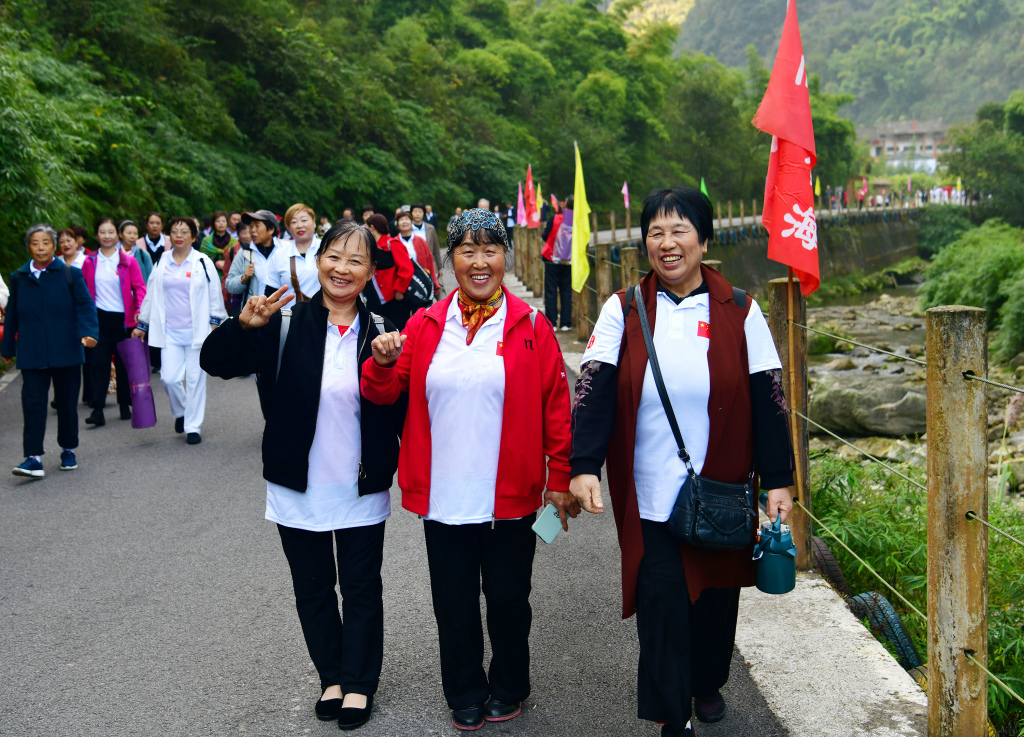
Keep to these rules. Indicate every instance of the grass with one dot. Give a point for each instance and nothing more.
(884, 519)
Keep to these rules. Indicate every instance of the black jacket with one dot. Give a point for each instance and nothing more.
(290, 406)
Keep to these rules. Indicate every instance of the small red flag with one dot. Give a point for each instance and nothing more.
(703, 330)
(785, 112)
(532, 215)
(501, 349)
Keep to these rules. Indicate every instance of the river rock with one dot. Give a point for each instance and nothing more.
(1017, 360)
(841, 364)
(869, 405)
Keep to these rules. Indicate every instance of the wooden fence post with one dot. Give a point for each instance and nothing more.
(537, 262)
(753, 211)
(742, 217)
(593, 229)
(778, 321)
(630, 266)
(629, 228)
(603, 273)
(581, 309)
(611, 218)
(718, 205)
(730, 213)
(957, 547)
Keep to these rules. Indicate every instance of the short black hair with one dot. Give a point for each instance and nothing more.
(687, 202)
(341, 230)
(103, 221)
(419, 205)
(368, 208)
(124, 224)
(190, 222)
(151, 214)
(80, 232)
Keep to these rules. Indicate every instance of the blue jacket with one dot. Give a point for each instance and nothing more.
(48, 317)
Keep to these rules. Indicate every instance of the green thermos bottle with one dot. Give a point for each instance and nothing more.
(775, 555)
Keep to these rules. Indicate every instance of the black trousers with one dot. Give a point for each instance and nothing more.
(558, 286)
(112, 331)
(35, 391)
(685, 649)
(458, 557)
(347, 649)
(87, 378)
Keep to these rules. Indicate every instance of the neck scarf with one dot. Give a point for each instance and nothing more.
(221, 241)
(475, 314)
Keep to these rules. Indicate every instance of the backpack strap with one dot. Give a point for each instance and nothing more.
(630, 293)
(286, 319)
(533, 319)
(203, 264)
(379, 322)
(739, 297)
(299, 296)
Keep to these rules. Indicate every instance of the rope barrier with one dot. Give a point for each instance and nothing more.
(863, 452)
(610, 263)
(972, 516)
(994, 677)
(585, 317)
(863, 562)
(973, 377)
(590, 288)
(873, 348)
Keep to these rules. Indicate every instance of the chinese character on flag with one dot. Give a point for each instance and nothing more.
(785, 113)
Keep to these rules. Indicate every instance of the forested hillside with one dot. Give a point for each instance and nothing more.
(899, 58)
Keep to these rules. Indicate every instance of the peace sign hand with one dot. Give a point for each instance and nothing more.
(257, 310)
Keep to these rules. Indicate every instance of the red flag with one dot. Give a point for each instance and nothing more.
(532, 215)
(785, 112)
(554, 203)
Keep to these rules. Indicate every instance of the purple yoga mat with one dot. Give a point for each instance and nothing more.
(135, 355)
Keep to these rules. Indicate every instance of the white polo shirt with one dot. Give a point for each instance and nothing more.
(331, 500)
(279, 268)
(410, 246)
(108, 284)
(77, 261)
(465, 390)
(681, 338)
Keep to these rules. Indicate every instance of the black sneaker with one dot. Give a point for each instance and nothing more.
(667, 730)
(498, 711)
(710, 710)
(469, 719)
(179, 425)
(96, 418)
(193, 438)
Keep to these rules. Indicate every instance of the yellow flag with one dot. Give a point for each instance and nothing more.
(540, 199)
(817, 187)
(959, 184)
(580, 228)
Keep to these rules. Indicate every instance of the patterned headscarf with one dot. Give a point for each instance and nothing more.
(475, 219)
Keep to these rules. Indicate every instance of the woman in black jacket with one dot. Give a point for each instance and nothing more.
(328, 476)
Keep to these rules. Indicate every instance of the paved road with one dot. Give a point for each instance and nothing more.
(144, 594)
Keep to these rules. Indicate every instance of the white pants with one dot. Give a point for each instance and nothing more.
(185, 383)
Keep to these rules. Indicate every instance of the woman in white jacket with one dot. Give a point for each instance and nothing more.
(183, 304)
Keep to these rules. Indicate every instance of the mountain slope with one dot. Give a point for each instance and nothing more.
(900, 58)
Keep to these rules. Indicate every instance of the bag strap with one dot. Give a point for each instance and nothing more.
(533, 319)
(207, 273)
(286, 319)
(379, 322)
(652, 356)
(299, 296)
(739, 297)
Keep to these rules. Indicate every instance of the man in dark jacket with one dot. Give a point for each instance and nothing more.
(50, 317)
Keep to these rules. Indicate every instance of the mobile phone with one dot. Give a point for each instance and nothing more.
(548, 524)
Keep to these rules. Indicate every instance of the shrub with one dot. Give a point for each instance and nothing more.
(972, 269)
(940, 226)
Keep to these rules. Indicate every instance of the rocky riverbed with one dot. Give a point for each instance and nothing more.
(878, 401)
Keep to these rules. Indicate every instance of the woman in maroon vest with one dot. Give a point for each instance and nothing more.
(727, 397)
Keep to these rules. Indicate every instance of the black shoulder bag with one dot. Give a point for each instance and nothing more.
(707, 513)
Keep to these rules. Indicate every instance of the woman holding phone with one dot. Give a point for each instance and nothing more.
(487, 426)
(329, 473)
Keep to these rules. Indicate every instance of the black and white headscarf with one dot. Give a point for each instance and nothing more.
(475, 219)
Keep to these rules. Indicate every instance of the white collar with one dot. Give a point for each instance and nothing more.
(190, 258)
(455, 312)
(34, 270)
(686, 302)
(115, 256)
(353, 329)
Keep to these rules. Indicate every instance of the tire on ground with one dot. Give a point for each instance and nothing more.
(886, 622)
(826, 565)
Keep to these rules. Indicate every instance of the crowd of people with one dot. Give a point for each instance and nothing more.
(375, 367)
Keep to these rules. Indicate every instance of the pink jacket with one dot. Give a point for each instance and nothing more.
(133, 288)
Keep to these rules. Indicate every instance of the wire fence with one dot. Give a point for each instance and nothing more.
(975, 518)
(973, 377)
(851, 341)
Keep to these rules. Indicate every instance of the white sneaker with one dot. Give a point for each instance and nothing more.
(565, 328)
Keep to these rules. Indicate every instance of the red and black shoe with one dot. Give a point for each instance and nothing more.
(498, 711)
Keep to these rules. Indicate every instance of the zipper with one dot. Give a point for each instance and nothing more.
(362, 471)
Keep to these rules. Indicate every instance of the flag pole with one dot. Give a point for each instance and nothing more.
(794, 400)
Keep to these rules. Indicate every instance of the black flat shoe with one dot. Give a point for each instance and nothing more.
(668, 730)
(327, 710)
(193, 438)
(96, 418)
(710, 710)
(126, 413)
(179, 425)
(498, 711)
(468, 719)
(352, 718)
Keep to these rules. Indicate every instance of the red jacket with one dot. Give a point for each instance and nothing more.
(423, 257)
(396, 278)
(535, 421)
(133, 287)
(549, 245)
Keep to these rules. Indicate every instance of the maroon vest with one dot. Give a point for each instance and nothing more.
(730, 443)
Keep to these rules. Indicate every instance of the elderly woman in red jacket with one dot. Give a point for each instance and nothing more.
(488, 404)
(385, 294)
